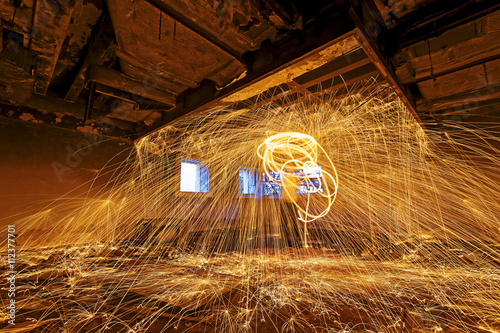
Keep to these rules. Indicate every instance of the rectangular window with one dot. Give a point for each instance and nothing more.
(271, 184)
(194, 176)
(248, 181)
(311, 180)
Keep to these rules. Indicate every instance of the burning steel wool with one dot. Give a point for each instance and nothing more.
(294, 156)
(203, 229)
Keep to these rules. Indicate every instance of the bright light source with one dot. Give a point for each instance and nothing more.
(190, 177)
(194, 176)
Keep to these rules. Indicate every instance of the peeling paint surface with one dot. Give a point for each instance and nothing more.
(27, 117)
(51, 24)
(87, 129)
(83, 21)
(303, 66)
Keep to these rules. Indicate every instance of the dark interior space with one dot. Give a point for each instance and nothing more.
(250, 166)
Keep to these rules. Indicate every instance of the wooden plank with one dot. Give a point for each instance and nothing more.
(101, 49)
(51, 24)
(296, 68)
(339, 70)
(274, 97)
(435, 18)
(360, 73)
(465, 80)
(112, 92)
(15, 73)
(356, 87)
(454, 50)
(279, 99)
(346, 83)
(117, 80)
(284, 102)
(481, 62)
(463, 101)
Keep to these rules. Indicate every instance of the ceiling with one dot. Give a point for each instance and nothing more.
(127, 68)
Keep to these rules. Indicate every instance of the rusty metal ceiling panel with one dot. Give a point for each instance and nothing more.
(240, 25)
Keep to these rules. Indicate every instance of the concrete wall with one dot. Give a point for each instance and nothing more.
(40, 163)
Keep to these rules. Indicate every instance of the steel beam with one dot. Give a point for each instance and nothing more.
(371, 48)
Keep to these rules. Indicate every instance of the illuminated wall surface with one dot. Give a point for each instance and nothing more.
(402, 231)
(39, 163)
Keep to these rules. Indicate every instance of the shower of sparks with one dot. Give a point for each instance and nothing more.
(412, 243)
(296, 153)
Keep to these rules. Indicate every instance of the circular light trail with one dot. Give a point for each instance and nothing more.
(293, 156)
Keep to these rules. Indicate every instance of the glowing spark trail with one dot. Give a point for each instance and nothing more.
(412, 243)
(296, 154)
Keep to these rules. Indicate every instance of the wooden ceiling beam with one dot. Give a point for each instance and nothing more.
(372, 49)
(335, 68)
(111, 78)
(355, 87)
(462, 101)
(347, 83)
(191, 24)
(101, 49)
(435, 18)
(286, 53)
(50, 26)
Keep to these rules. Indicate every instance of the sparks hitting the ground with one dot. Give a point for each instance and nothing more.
(411, 244)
